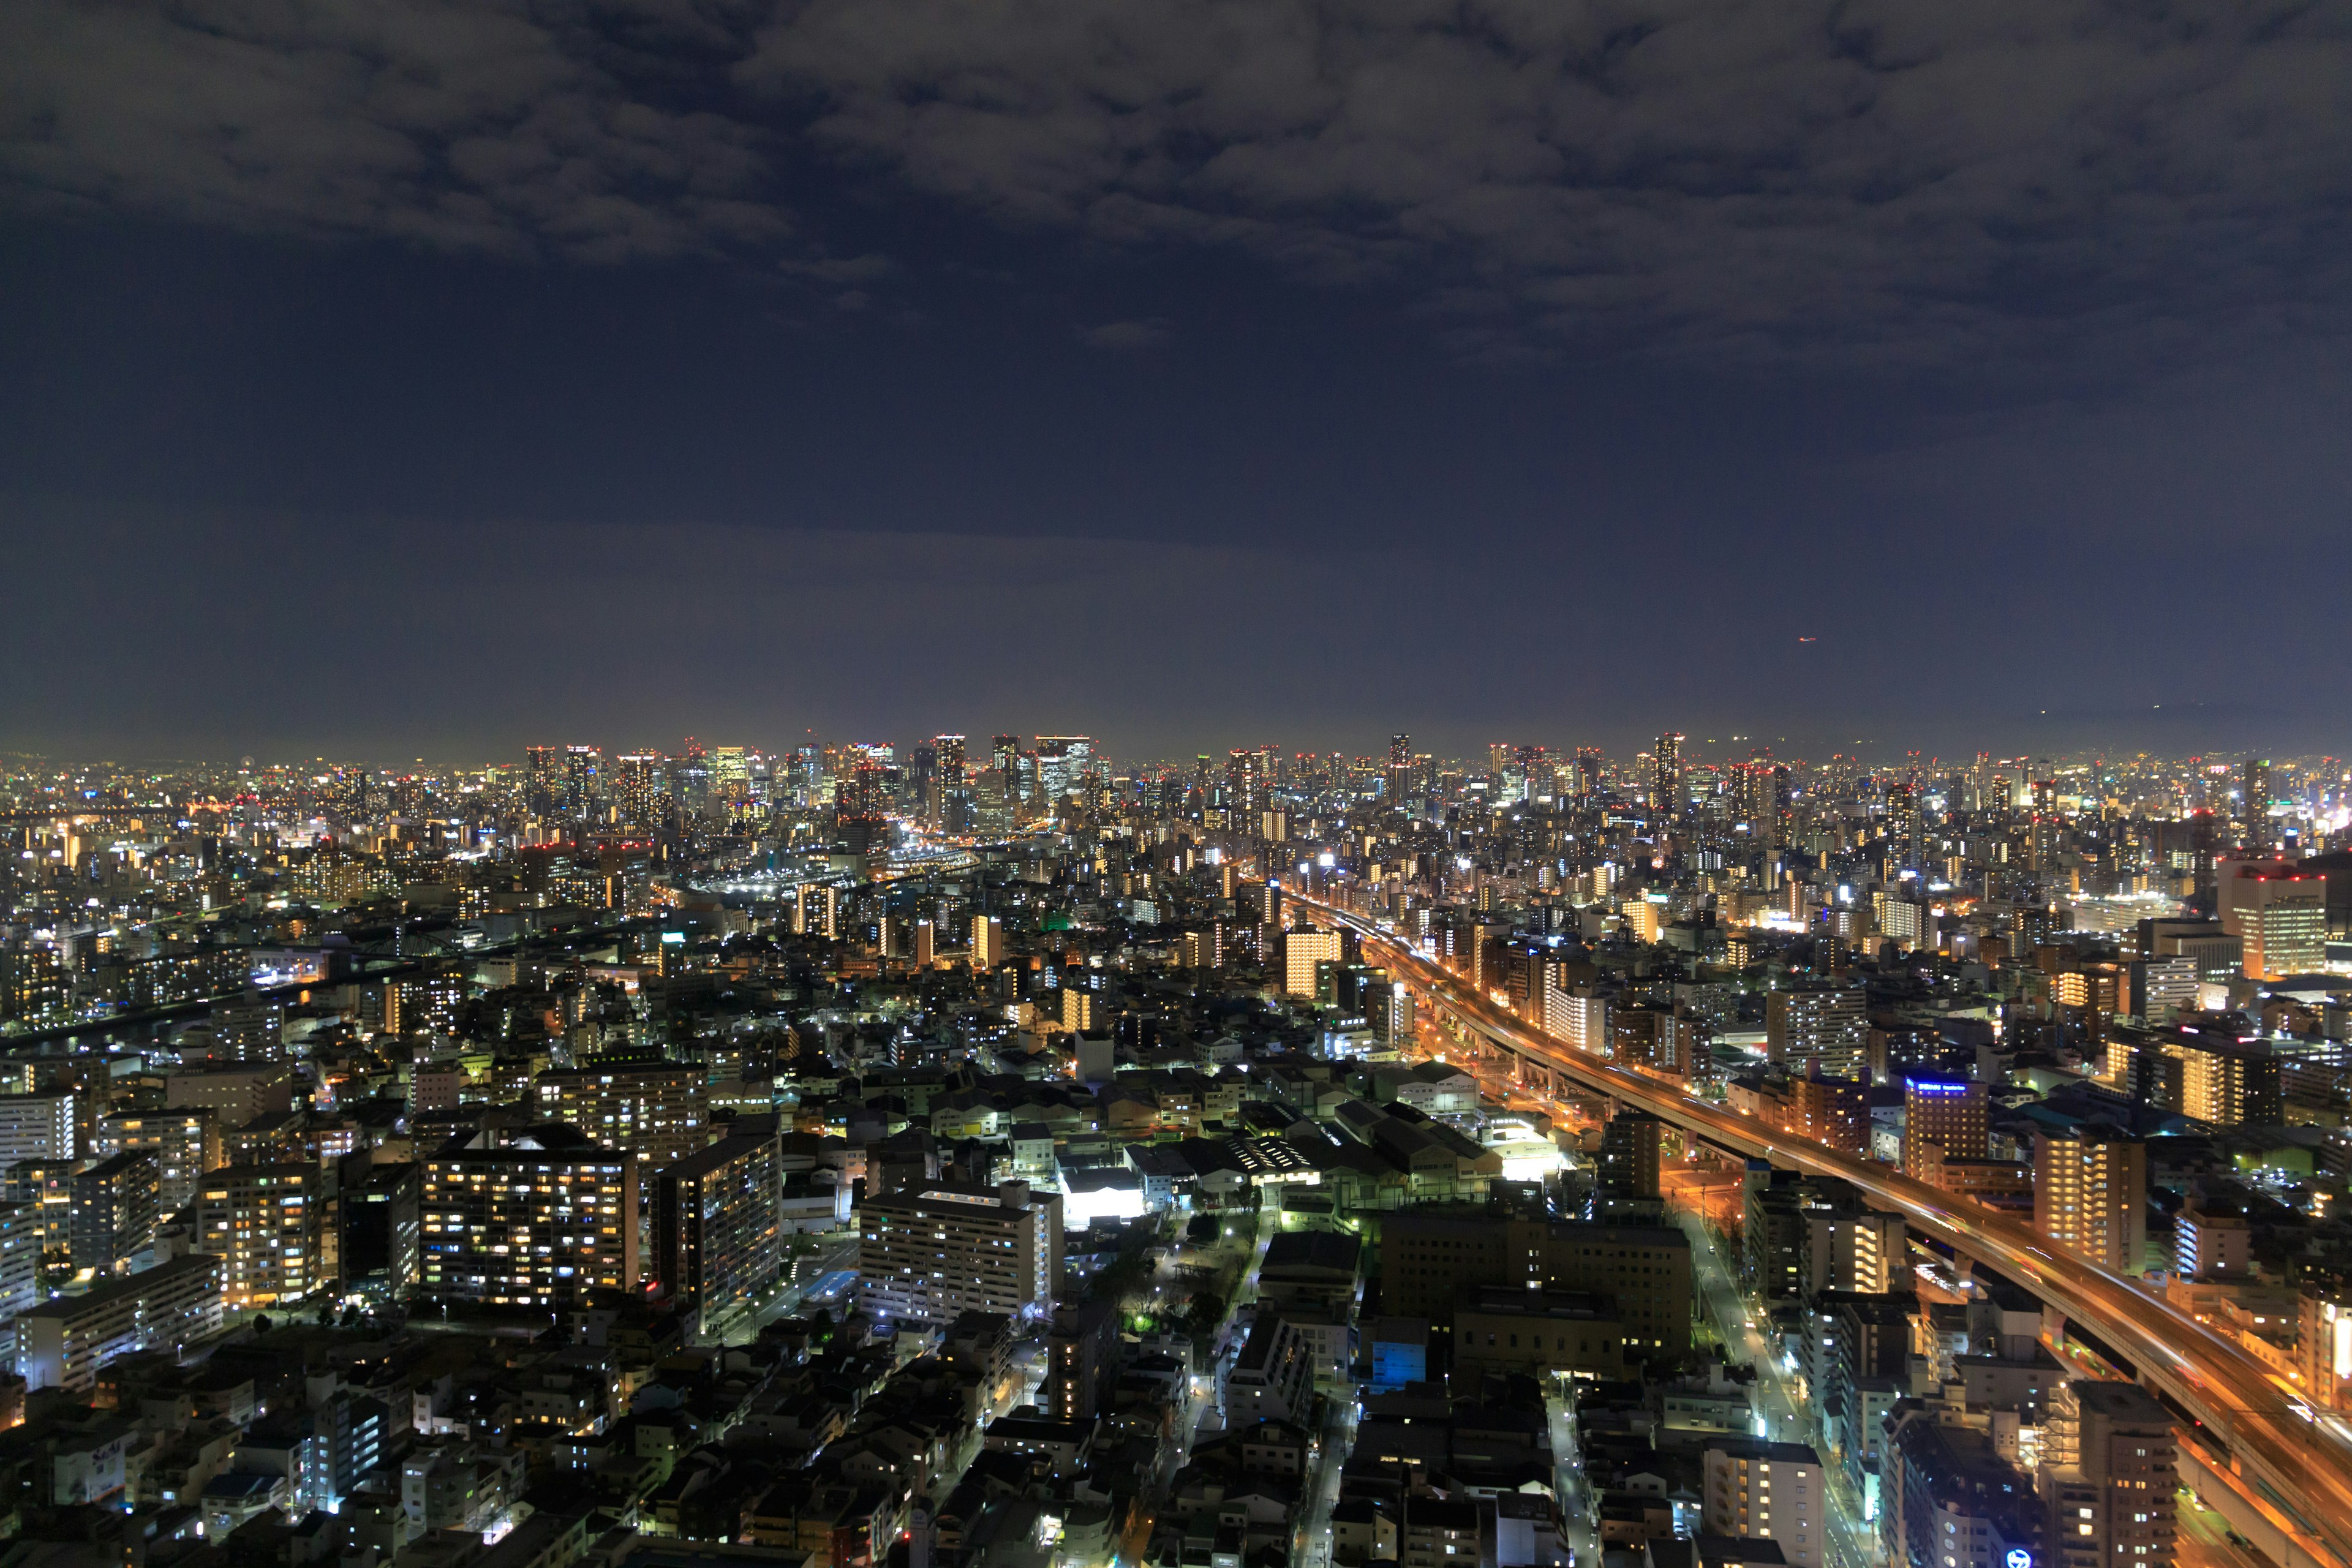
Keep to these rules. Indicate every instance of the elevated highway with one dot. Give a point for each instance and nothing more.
(2278, 1448)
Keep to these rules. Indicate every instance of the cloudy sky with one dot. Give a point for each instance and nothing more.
(399, 377)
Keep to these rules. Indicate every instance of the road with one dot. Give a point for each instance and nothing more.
(1777, 1395)
(2268, 1427)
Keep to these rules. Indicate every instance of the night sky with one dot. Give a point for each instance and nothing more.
(400, 379)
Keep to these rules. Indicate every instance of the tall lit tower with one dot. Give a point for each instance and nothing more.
(1245, 788)
(1400, 770)
(1667, 769)
(2256, 784)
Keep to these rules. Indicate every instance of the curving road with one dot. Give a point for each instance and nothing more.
(2277, 1447)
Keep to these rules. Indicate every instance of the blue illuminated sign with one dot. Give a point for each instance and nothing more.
(2018, 1557)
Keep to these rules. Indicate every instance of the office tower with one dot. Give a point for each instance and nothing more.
(2224, 1081)
(381, 1226)
(1768, 1491)
(1081, 1360)
(264, 1222)
(1006, 750)
(2254, 791)
(2280, 917)
(36, 1127)
(114, 1211)
(1946, 1114)
(1631, 1153)
(816, 909)
(2158, 989)
(932, 1250)
(987, 943)
(1063, 764)
(731, 775)
(539, 1222)
(583, 784)
(184, 1141)
(1666, 776)
(717, 1229)
(1302, 949)
(1822, 1027)
(1400, 774)
(1244, 790)
(543, 780)
(951, 760)
(62, 1344)
(659, 1110)
(2090, 1193)
(2107, 1475)
(861, 807)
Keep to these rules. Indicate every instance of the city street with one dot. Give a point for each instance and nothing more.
(1777, 1395)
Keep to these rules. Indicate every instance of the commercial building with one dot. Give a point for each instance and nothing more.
(1428, 1257)
(1510, 1328)
(236, 1094)
(933, 1250)
(1946, 1115)
(1823, 1028)
(2108, 1476)
(264, 1222)
(187, 1144)
(1768, 1491)
(536, 1223)
(2224, 1081)
(62, 1344)
(2090, 1193)
(2279, 915)
(716, 1230)
(659, 1110)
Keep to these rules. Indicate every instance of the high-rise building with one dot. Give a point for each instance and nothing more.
(186, 1144)
(2090, 1193)
(543, 780)
(2279, 915)
(1245, 789)
(2254, 791)
(1947, 1114)
(539, 1222)
(816, 909)
(1400, 774)
(379, 1226)
(1630, 1146)
(1081, 1360)
(987, 941)
(717, 1227)
(935, 1249)
(1831, 1111)
(114, 1211)
(2225, 1082)
(1666, 776)
(264, 1222)
(641, 789)
(36, 1127)
(2106, 1477)
(1762, 1490)
(1302, 949)
(583, 782)
(659, 1110)
(1851, 1248)
(1822, 1027)
(21, 1236)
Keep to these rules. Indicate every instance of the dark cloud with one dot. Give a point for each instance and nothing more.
(1147, 333)
(1898, 186)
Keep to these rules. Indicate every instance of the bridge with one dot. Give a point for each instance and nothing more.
(2280, 1451)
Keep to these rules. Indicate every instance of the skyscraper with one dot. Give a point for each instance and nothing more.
(1399, 776)
(1666, 775)
(1245, 789)
(583, 784)
(539, 1222)
(717, 1218)
(2254, 789)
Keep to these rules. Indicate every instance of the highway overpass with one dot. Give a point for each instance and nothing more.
(2278, 1446)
